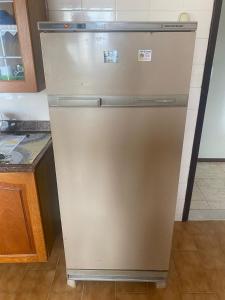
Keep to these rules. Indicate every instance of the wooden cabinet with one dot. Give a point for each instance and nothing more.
(21, 67)
(29, 213)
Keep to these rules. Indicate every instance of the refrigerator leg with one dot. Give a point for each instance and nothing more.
(160, 284)
(71, 283)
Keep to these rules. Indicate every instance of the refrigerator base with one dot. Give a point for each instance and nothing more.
(159, 277)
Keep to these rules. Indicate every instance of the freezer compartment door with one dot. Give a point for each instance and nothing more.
(118, 63)
(117, 172)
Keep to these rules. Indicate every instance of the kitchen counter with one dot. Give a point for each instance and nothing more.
(22, 152)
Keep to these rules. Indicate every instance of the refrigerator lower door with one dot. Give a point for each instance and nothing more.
(117, 172)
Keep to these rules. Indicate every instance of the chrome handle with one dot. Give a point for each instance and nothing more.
(67, 101)
(117, 101)
(135, 102)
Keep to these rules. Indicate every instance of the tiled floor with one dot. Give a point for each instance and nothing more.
(197, 272)
(208, 199)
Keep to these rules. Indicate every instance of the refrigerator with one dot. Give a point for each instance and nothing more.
(118, 96)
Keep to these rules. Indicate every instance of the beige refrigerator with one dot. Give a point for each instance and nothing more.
(118, 95)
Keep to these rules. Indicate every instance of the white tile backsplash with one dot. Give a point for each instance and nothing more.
(182, 187)
(204, 20)
(165, 15)
(200, 51)
(188, 143)
(166, 4)
(194, 98)
(27, 106)
(197, 76)
(197, 4)
(132, 5)
(64, 5)
(141, 15)
(99, 4)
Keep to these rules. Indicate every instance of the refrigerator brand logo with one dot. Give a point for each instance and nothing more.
(111, 56)
(145, 55)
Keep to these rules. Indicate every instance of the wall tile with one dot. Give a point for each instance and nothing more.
(194, 98)
(27, 106)
(198, 4)
(166, 4)
(201, 46)
(197, 75)
(204, 20)
(186, 157)
(141, 15)
(64, 5)
(164, 15)
(187, 145)
(99, 4)
(81, 16)
(132, 4)
(182, 187)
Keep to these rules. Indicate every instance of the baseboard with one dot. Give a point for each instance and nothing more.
(211, 159)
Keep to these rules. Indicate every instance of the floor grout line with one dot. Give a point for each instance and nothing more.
(82, 292)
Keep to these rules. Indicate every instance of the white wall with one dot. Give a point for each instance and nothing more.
(25, 106)
(213, 135)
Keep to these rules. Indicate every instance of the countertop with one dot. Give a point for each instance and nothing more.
(22, 152)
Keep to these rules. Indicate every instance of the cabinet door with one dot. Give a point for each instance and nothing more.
(15, 226)
(17, 70)
(21, 230)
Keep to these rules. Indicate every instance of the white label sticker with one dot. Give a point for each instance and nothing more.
(145, 55)
(111, 56)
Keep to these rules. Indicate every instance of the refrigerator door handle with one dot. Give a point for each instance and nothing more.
(70, 101)
(144, 102)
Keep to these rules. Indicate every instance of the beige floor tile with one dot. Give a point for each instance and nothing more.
(60, 283)
(209, 170)
(11, 277)
(200, 297)
(132, 297)
(7, 296)
(197, 194)
(99, 291)
(62, 261)
(222, 166)
(64, 296)
(53, 260)
(171, 292)
(190, 272)
(215, 183)
(37, 281)
(206, 241)
(213, 259)
(217, 279)
(214, 194)
(212, 189)
(202, 227)
(31, 296)
(202, 204)
(221, 238)
(216, 204)
(183, 240)
(131, 287)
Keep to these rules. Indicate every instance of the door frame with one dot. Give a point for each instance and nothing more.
(202, 105)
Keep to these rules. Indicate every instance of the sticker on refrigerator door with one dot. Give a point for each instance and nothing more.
(145, 55)
(111, 56)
